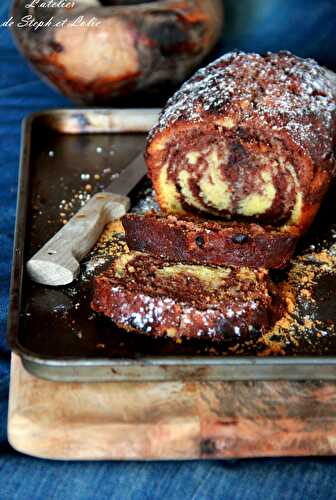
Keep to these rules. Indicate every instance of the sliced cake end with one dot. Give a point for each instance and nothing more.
(147, 294)
(192, 239)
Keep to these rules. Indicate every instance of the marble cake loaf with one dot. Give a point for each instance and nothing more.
(248, 138)
(144, 293)
(195, 240)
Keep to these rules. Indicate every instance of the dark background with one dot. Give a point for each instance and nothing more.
(305, 27)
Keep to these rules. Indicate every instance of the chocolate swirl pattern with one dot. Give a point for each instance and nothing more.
(249, 137)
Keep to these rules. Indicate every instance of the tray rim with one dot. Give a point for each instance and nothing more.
(258, 367)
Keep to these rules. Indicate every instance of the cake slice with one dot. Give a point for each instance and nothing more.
(145, 293)
(199, 241)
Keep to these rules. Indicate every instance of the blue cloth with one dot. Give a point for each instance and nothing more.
(306, 27)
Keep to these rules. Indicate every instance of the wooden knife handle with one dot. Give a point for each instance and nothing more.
(57, 263)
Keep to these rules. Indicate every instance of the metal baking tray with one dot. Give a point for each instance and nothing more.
(53, 329)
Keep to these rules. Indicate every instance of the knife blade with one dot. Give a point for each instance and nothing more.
(58, 261)
(129, 177)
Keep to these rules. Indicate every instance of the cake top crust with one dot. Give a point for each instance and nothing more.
(194, 223)
(279, 90)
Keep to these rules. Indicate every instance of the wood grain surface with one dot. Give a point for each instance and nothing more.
(170, 420)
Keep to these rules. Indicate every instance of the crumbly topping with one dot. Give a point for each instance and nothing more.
(301, 322)
(282, 91)
(300, 329)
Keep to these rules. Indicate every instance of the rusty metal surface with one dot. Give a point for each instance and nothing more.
(54, 330)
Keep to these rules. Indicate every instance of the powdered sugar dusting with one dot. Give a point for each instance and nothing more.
(141, 296)
(282, 91)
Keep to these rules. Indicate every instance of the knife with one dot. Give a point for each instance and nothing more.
(57, 263)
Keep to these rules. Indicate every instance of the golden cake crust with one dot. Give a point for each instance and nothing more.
(248, 137)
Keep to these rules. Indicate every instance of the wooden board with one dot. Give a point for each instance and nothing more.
(170, 420)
